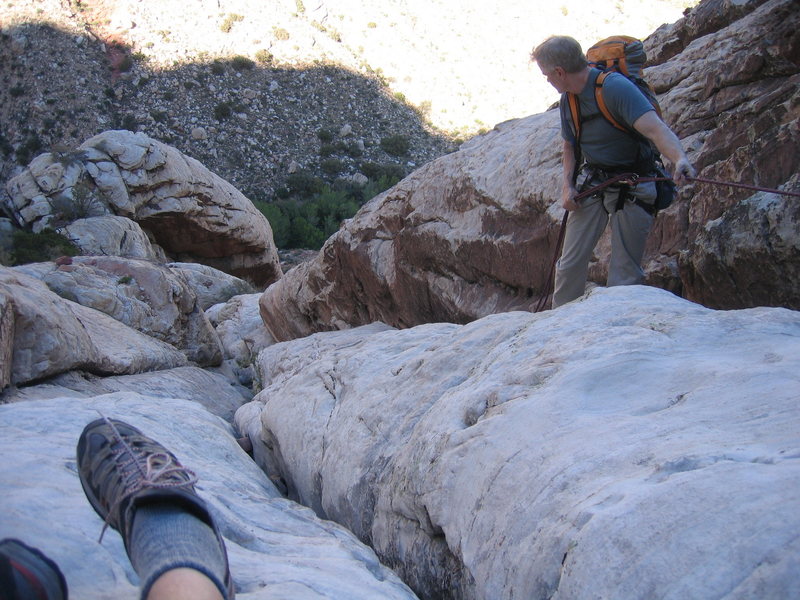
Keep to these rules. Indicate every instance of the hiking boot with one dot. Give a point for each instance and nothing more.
(122, 469)
(26, 572)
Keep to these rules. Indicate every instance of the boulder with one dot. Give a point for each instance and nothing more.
(207, 389)
(193, 214)
(141, 294)
(110, 235)
(241, 332)
(465, 236)
(211, 285)
(739, 117)
(740, 256)
(474, 232)
(52, 335)
(277, 549)
(630, 445)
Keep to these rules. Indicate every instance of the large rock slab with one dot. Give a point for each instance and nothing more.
(466, 235)
(210, 390)
(143, 295)
(111, 235)
(211, 285)
(630, 445)
(53, 335)
(742, 125)
(192, 213)
(474, 232)
(277, 549)
(241, 332)
(738, 257)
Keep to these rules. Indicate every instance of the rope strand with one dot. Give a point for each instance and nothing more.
(633, 179)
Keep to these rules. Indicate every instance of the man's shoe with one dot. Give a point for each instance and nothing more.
(122, 469)
(26, 572)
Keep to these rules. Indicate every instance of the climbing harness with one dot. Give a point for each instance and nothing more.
(631, 179)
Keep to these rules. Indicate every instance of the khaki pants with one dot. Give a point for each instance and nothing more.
(629, 229)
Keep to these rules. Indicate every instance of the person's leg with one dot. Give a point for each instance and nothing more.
(584, 228)
(629, 229)
(27, 574)
(140, 489)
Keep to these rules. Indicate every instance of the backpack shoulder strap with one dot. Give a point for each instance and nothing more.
(575, 113)
(601, 103)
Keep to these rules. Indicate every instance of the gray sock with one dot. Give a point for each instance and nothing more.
(165, 537)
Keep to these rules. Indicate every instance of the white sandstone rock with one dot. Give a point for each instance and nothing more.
(112, 235)
(53, 335)
(211, 285)
(141, 294)
(277, 549)
(627, 445)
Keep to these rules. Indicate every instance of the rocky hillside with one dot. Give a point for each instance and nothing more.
(249, 87)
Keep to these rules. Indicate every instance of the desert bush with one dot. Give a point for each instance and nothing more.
(379, 170)
(332, 166)
(242, 63)
(227, 24)
(307, 223)
(39, 247)
(396, 145)
(222, 111)
(264, 57)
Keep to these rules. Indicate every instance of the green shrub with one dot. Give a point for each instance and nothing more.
(242, 63)
(353, 149)
(129, 122)
(325, 135)
(227, 24)
(332, 166)
(16, 91)
(264, 57)
(396, 145)
(308, 223)
(217, 68)
(377, 171)
(279, 221)
(280, 34)
(326, 150)
(375, 187)
(29, 148)
(222, 111)
(39, 247)
(304, 184)
(126, 64)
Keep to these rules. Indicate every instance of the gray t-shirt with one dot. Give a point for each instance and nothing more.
(601, 142)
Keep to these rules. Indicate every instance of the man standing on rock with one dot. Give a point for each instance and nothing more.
(607, 151)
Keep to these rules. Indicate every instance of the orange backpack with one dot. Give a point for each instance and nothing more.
(616, 54)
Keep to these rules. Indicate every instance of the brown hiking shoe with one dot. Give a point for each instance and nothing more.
(122, 469)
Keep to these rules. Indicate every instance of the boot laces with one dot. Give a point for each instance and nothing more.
(140, 471)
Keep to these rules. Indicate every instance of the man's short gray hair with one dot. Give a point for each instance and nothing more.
(560, 51)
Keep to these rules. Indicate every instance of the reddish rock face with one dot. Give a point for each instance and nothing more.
(473, 233)
(465, 236)
(733, 94)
